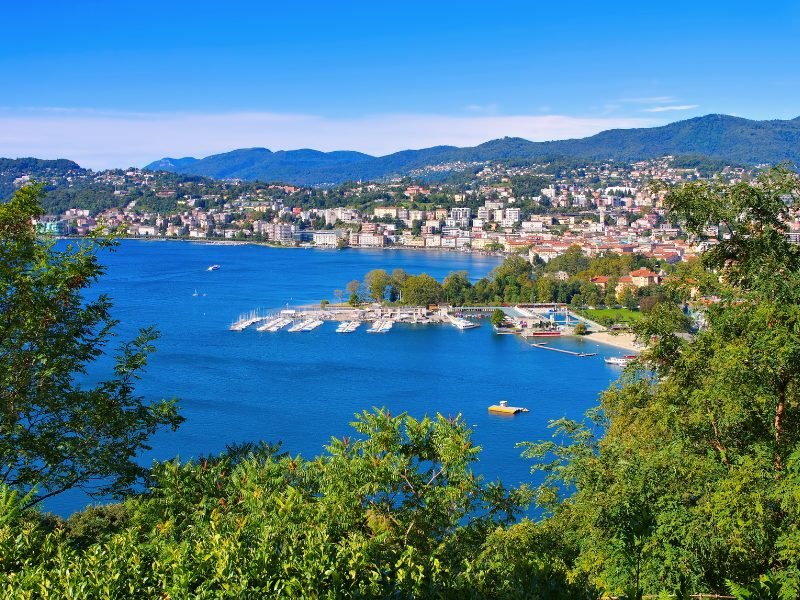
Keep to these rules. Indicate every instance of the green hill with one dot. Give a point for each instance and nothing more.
(721, 137)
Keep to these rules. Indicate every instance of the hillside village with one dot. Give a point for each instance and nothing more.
(601, 208)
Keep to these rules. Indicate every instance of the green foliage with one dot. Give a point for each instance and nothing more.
(498, 318)
(395, 512)
(573, 261)
(56, 434)
(686, 478)
(377, 283)
(610, 316)
(421, 290)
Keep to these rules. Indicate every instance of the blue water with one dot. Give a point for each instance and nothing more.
(303, 388)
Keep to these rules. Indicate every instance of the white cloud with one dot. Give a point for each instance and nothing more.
(487, 109)
(658, 109)
(650, 100)
(102, 139)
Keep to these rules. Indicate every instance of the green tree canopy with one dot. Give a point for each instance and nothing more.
(686, 479)
(56, 433)
(377, 281)
(421, 290)
(394, 511)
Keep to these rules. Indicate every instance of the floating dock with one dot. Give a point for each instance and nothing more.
(279, 324)
(298, 326)
(348, 326)
(504, 409)
(563, 351)
(381, 326)
(312, 325)
(267, 324)
(245, 321)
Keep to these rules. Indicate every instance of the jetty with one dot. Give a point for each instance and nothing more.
(562, 350)
(312, 325)
(278, 325)
(348, 326)
(265, 326)
(245, 321)
(381, 326)
(298, 326)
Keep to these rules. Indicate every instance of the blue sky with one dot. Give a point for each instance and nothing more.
(113, 83)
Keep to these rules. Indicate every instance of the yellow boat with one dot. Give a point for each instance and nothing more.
(504, 409)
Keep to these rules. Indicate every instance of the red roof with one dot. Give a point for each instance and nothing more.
(643, 273)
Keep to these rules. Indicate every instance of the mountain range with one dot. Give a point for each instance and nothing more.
(733, 139)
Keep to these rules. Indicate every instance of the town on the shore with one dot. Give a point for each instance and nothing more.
(495, 207)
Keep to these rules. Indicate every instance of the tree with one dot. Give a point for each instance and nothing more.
(394, 511)
(580, 329)
(456, 287)
(56, 434)
(627, 298)
(421, 290)
(377, 281)
(545, 289)
(353, 288)
(590, 294)
(693, 484)
(572, 261)
(498, 318)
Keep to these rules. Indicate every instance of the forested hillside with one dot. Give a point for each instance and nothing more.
(732, 139)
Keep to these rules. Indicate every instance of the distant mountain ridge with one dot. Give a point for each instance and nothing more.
(725, 137)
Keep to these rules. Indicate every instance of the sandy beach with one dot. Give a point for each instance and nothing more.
(625, 341)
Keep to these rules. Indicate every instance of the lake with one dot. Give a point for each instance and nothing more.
(302, 388)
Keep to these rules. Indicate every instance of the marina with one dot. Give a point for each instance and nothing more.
(530, 321)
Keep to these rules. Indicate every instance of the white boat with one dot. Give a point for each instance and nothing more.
(312, 324)
(213, 268)
(342, 328)
(298, 326)
(279, 324)
(245, 321)
(461, 323)
(464, 323)
(267, 324)
(620, 361)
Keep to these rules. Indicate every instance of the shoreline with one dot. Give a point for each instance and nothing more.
(623, 341)
(224, 242)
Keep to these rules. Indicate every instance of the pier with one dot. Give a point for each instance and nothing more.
(562, 350)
